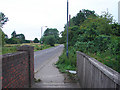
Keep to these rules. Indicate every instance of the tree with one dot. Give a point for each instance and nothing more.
(2, 38)
(21, 37)
(13, 34)
(3, 19)
(82, 16)
(36, 40)
(13, 41)
(54, 32)
(49, 40)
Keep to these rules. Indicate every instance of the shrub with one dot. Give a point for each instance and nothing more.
(49, 40)
(65, 63)
(101, 43)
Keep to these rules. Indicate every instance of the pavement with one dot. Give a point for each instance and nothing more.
(49, 75)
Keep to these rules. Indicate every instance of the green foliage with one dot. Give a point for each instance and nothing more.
(51, 36)
(65, 63)
(82, 16)
(52, 32)
(2, 38)
(101, 43)
(13, 41)
(39, 47)
(3, 19)
(27, 41)
(16, 39)
(114, 47)
(96, 36)
(36, 40)
(115, 29)
(21, 37)
(10, 48)
(6, 50)
(50, 40)
(13, 34)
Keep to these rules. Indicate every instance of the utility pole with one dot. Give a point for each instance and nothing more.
(67, 27)
(69, 19)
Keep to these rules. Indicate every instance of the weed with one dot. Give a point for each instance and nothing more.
(37, 80)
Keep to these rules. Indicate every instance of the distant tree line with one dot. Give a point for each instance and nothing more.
(16, 39)
(50, 37)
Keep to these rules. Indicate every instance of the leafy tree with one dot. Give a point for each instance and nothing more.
(13, 41)
(50, 31)
(82, 16)
(3, 19)
(54, 32)
(2, 38)
(36, 40)
(49, 40)
(21, 37)
(13, 34)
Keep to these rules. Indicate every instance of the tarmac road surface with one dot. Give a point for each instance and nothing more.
(46, 71)
(41, 57)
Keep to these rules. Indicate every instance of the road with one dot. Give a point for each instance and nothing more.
(46, 71)
(43, 56)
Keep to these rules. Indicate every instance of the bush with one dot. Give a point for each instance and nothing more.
(49, 40)
(101, 43)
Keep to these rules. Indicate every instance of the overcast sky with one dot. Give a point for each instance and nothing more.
(28, 16)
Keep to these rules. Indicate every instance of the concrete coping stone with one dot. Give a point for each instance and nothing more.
(112, 74)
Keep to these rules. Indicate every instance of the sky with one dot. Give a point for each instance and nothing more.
(28, 16)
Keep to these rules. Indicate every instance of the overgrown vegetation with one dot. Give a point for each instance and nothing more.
(65, 63)
(97, 36)
(6, 50)
(11, 48)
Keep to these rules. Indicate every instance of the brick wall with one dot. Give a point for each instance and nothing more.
(18, 68)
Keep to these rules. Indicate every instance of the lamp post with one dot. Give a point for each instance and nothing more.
(67, 28)
(41, 36)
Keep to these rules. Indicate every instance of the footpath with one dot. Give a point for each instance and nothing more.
(50, 77)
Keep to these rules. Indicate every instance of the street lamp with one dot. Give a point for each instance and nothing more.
(67, 28)
(41, 36)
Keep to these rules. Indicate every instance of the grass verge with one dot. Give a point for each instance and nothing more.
(65, 63)
(6, 50)
(11, 48)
